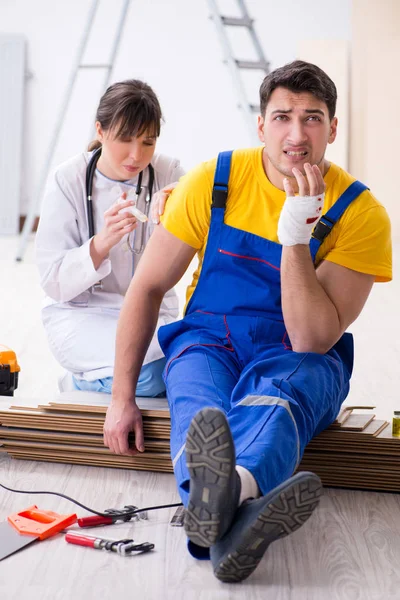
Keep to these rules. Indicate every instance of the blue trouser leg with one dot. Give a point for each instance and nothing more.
(202, 376)
(150, 383)
(274, 406)
(281, 401)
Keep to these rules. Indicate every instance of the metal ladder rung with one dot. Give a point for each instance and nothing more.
(236, 66)
(94, 66)
(252, 64)
(36, 198)
(237, 21)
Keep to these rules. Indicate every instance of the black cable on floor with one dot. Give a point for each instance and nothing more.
(91, 510)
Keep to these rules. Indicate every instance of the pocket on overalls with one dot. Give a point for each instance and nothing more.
(249, 258)
(253, 282)
(197, 329)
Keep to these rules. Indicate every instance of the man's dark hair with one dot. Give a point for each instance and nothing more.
(299, 76)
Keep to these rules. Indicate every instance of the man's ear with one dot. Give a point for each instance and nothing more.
(333, 131)
(260, 128)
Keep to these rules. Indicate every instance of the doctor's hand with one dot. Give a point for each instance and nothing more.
(121, 419)
(117, 223)
(159, 201)
(301, 213)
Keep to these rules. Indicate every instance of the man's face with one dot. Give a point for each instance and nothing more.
(295, 130)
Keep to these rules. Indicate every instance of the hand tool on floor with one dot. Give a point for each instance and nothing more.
(25, 527)
(9, 369)
(122, 547)
(178, 517)
(115, 515)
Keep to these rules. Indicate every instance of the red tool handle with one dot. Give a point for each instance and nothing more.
(80, 540)
(93, 521)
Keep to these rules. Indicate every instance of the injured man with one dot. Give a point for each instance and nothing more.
(289, 247)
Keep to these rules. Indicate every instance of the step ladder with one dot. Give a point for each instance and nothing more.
(237, 66)
(78, 65)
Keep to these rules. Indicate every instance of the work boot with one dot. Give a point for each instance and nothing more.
(214, 482)
(260, 522)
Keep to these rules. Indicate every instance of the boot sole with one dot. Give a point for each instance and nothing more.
(287, 511)
(210, 458)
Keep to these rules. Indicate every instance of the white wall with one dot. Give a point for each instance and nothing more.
(333, 56)
(173, 45)
(375, 93)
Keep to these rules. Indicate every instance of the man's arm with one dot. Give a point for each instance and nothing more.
(163, 263)
(319, 305)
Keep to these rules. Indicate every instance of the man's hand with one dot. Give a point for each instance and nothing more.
(159, 201)
(301, 213)
(121, 419)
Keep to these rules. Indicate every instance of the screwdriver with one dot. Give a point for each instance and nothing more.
(122, 547)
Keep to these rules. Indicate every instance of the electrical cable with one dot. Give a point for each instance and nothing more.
(91, 510)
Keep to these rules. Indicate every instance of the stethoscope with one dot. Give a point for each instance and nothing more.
(90, 171)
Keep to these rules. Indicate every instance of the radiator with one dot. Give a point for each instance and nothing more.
(12, 83)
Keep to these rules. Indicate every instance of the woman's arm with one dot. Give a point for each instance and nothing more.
(69, 265)
(65, 266)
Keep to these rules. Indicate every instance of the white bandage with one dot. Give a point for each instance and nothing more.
(137, 213)
(132, 209)
(299, 216)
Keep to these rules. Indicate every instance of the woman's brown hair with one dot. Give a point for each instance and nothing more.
(129, 108)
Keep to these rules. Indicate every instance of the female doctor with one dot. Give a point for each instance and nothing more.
(89, 243)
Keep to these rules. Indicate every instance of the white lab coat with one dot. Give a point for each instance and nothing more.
(81, 321)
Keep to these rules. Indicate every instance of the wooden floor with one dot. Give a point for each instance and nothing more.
(350, 548)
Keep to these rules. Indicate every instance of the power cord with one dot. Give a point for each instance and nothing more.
(127, 513)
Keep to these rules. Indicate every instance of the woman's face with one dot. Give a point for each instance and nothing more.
(121, 158)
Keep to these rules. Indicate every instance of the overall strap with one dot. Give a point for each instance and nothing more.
(221, 179)
(327, 221)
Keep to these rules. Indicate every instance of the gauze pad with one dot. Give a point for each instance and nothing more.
(132, 209)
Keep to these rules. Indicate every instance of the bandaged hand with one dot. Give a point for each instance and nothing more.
(301, 213)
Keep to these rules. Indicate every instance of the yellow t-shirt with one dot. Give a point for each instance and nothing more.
(360, 240)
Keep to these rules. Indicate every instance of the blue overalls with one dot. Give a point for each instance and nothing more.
(232, 351)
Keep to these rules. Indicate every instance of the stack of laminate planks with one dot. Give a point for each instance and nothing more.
(357, 451)
(70, 430)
